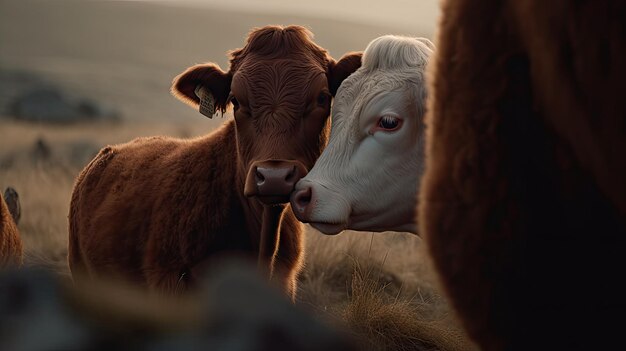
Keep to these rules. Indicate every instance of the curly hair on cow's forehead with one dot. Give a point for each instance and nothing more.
(273, 42)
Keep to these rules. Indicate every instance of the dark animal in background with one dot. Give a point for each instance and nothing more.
(523, 203)
(11, 251)
(12, 199)
(154, 210)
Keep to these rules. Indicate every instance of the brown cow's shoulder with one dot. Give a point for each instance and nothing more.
(187, 185)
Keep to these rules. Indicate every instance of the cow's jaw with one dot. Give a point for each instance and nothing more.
(329, 228)
(401, 221)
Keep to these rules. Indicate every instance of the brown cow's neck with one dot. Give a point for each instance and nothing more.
(270, 236)
(251, 206)
(263, 221)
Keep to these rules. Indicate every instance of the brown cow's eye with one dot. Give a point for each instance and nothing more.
(234, 102)
(322, 99)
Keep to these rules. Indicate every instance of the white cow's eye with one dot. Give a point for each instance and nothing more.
(389, 123)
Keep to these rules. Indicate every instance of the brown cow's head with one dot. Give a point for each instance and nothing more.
(280, 85)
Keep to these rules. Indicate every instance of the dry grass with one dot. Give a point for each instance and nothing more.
(383, 322)
(381, 286)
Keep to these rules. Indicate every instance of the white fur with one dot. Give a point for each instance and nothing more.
(368, 181)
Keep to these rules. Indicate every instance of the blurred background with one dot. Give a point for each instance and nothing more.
(78, 75)
(124, 54)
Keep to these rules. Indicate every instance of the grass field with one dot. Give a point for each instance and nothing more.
(380, 285)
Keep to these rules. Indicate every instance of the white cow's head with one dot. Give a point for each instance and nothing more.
(367, 177)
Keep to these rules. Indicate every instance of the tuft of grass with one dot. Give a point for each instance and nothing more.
(382, 288)
(382, 322)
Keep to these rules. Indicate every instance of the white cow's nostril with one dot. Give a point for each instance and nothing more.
(303, 198)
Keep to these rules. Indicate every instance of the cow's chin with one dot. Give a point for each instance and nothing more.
(384, 222)
(273, 199)
(329, 228)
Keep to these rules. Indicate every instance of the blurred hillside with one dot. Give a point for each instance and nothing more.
(125, 54)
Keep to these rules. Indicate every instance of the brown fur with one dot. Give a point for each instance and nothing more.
(523, 204)
(11, 251)
(155, 209)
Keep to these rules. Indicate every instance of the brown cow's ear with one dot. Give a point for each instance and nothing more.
(340, 70)
(208, 76)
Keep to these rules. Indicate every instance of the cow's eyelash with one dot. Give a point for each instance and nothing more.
(389, 119)
(389, 123)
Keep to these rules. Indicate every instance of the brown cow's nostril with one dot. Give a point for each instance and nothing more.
(274, 181)
(302, 199)
(290, 178)
(259, 177)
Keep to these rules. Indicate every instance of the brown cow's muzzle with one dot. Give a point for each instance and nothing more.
(272, 181)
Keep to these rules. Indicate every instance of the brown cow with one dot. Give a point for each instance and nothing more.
(523, 202)
(11, 251)
(152, 210)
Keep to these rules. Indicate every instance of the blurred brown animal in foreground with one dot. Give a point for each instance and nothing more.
(156, 210)
(523, 204)
(11, 250)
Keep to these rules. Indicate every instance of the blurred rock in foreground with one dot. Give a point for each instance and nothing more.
(235, 311)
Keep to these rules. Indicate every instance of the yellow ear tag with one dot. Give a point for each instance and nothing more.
(207, 101)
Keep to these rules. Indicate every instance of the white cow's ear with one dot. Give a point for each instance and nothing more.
(207, 78)
(340, 70)
(427, 42)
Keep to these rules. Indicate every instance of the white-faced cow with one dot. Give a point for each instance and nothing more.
(366, 178)
(155, 209)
